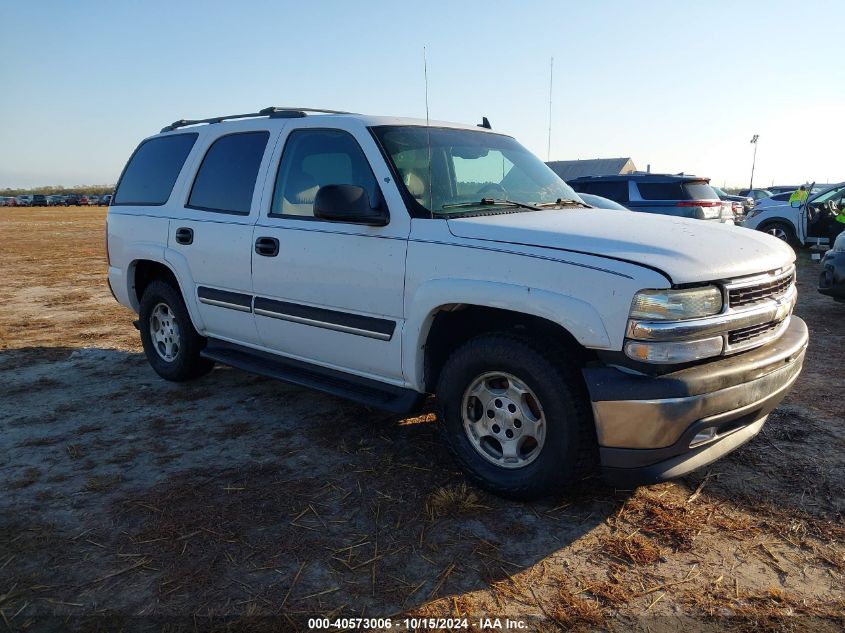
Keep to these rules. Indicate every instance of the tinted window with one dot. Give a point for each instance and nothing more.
(676, 191)
(662, 190)
(314, 159)
(613, 189)
(153, 169)
(782, 196)
(226, 179)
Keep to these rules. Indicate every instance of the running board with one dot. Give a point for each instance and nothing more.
(369, 392)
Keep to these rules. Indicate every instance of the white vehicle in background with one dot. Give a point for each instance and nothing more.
(797, 223)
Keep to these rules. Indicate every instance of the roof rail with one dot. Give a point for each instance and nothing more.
(273, 112)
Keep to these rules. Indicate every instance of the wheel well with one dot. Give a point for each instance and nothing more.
(145, 272)
(453, 325)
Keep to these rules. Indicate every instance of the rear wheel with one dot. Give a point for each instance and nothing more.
(515, 416)
(171, 343)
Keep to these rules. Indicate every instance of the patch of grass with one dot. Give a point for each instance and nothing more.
(452, 500)
(608, 592)
(670, 520)
(572, 610)
(634, 549)
(772, 609)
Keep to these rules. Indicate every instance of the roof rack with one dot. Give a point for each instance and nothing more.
(273, 112)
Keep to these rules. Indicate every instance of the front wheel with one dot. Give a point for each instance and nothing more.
(515, 416)
(782, 231)
(171, 343)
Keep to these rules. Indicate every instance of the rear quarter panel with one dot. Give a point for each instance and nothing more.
(132, 237)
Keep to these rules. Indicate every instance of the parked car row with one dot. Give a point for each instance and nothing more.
(56, 200)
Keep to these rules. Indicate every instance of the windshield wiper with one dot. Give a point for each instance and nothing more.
(491, 202)
(564, 202)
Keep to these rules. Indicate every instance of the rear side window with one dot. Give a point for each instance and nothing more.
(226, 179)
(152, 171)
(663, 190)
(616, 190)
(782, 196)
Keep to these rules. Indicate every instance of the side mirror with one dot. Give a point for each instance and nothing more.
(795, 204)
(347, 203)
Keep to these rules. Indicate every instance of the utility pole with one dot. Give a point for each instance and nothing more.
(754, 160)
(551, 79)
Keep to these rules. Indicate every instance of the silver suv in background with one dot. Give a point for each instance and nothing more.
(678, 195)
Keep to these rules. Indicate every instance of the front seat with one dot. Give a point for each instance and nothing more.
(300, 190)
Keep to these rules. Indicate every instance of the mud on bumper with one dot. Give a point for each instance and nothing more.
(650, 428)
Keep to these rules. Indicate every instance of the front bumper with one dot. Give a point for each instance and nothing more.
(832, 277)
(645, 424)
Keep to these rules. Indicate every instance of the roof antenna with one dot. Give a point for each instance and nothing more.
(485, 123)
(551, 77)
(428, 134)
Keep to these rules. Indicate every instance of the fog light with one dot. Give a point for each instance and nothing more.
(674, 351)
(703, 436)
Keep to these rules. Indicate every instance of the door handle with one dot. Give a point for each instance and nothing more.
(184, 236)
(267, 246)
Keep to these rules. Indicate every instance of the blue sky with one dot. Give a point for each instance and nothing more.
(681, 86)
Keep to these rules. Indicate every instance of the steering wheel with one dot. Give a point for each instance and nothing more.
(493, 187)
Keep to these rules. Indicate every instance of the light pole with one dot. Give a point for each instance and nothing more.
(754, 161)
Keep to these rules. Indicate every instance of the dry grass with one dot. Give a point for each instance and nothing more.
(455, 500)
(633, 549)
(574, 611)
(668, 519)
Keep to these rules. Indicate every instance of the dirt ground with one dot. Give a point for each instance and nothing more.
(239, 503)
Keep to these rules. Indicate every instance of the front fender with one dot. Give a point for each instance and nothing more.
(579, 318)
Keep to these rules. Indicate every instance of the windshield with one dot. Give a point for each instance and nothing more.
(464, 167)
(830, 194)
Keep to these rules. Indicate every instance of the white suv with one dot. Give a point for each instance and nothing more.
(383, 259)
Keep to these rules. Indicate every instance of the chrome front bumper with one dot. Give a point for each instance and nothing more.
(646, 424)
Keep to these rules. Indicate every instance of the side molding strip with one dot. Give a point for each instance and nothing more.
(371, 327)
(225, 299)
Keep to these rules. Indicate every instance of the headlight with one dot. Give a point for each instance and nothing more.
(673, 352)
(675, 305)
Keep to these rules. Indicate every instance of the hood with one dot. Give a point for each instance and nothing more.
(685, 250)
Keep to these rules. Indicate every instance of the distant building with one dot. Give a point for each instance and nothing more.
(569, 169)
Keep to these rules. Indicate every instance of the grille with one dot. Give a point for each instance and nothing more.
(751, 332)
(749, 295)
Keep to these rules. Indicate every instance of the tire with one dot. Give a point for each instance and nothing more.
(568, 450)
(171, 343)
(781, 230)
